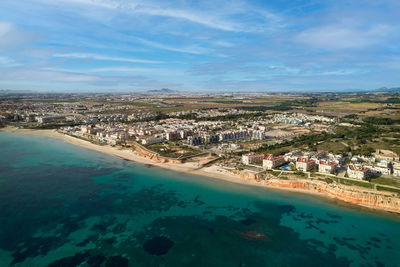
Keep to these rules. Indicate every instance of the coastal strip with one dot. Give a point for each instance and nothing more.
(384, 201)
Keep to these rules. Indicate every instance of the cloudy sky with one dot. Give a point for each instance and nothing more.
(266, 45)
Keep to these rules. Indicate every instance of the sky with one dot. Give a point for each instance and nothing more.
(217, 46)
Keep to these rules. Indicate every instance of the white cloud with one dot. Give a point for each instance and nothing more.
(6, 61)
(139, 70)
(11, 37)
(46, 75)
(5, 27)
(99, 3)
(342, 36)
(217, 17)
(107, 58)
(198, 50)
(203, 19)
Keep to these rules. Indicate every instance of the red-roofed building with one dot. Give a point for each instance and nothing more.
(356, 172)
(326, 166)
(271, 162)
(251, 158)
(305, 164)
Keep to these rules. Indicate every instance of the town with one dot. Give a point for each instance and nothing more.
(259, 135)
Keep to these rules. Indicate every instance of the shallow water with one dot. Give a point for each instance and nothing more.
(61, 205)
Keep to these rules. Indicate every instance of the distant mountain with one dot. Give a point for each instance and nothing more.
(163, 91)
(7, 91)
(385, 89)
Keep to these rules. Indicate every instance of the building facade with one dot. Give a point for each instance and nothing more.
(270, 162)
(251, 158)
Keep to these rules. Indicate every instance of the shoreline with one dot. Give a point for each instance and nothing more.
(185, 168)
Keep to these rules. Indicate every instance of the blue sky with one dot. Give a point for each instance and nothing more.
(128, 45)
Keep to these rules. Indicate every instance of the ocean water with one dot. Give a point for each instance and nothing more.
(61, 205)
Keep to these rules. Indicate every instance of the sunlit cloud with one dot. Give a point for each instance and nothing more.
(211, 44)
(343, 36)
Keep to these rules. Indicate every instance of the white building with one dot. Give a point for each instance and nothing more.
(327, 167)
(396, 170)
(251, 158)
(382, 170)
(152, 140)
(383, 167)
(270, 162)
(293, 155)
(356, 172)
(87, 129)
(304, 164)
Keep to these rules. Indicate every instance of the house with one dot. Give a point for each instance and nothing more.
(293, 155)
(185, 133)
(172, 136)
(386, 155)
(382, 170)
(305, 164)
(357, 172)
(251, 158)
(396, 170)
(270, 162)
(152, 140)
(326, 166)
(195, 140)
(383, 167)
(87, 129)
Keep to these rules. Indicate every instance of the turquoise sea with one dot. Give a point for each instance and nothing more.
(62, 205)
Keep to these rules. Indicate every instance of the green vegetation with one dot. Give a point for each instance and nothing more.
(388, 189)
(352, 182)
(386, 181)
(379, 121)
(275, 173)
(300, 174)
(329, 180)
(173, 151)
(359, 140)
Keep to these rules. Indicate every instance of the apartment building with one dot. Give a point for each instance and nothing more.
(270, 162)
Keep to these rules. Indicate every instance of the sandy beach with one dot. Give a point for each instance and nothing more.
(213, 172)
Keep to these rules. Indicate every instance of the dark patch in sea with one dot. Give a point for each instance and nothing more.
(334, 216)
(248, 221)
(158, 245)
(119, 228)
(287, 208)
(223, 245)
(86, 241)
(347, 242)
(305, 216)
(320, 220)
(75, 260)
(117, 261)
(110, 240)
(197, 201)
(375, 239)
(96, 260)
